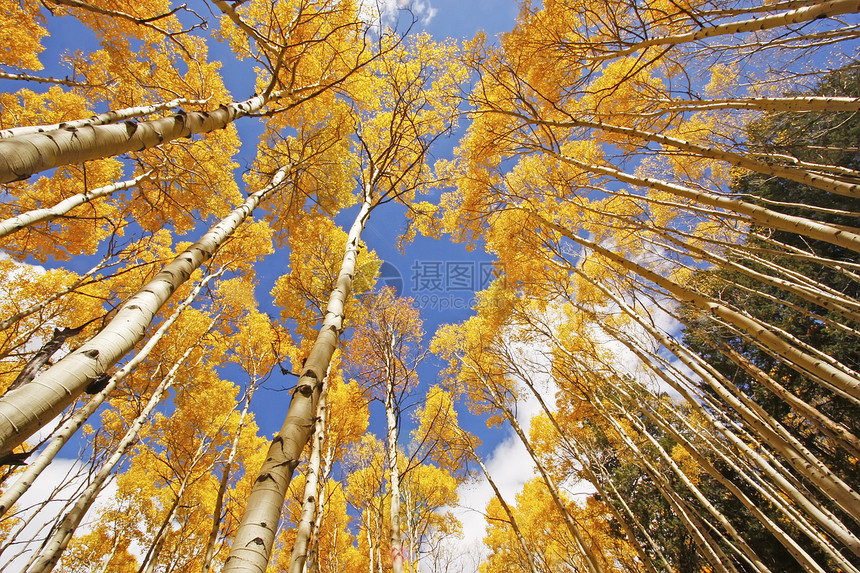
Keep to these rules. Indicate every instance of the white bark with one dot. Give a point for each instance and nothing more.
(584, 549)
(25, 155)
(310, 509)
(794, 104)
(804, 14)
(28, 408)
(396, 538)
(100, 119)
(51, 553)
(255, 537)
(821, 231)
(209, 554)
(24, 220)
(64, 434)
(821, 516)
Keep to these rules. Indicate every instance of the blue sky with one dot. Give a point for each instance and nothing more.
(444, 302)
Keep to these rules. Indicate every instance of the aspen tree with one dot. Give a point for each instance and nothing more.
(30, 407)
(393, 140)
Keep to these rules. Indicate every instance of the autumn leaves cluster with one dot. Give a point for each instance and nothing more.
(670, 189)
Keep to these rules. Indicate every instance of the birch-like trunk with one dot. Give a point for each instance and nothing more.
(310, 508)
(313, 563)
(35, 468)
(799, 15)
(818, 181)
(24, 155)
(521, 540)
(582, 458)
(30, 407)
(114, 116)
(24, 220)
(255, 537)
(838, 236)
(827, 521)
(584, 549)
(800, 104)
(63, 533)
(396, 538)
(209, 553)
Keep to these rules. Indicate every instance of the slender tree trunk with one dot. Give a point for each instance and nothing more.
(313, 563)
(800, 104)
(799, 15)
(746, 550)
(209, 553)
(310, 509)
(107, 558)
(802, 176)
(586, 464)
(35, 468)
(521, 540)
(821, 516)
(52, 552)
(114, 116)
(30, 407)
(150, 560)
(43, 80)
(24, 155)
(591, 561)
(24, 220)
(733, 207)
(255, 537)
(396, 538)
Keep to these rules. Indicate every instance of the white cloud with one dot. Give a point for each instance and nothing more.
(385, 13)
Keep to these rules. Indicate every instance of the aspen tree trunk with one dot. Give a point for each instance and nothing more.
(813, 292)
(758, 214)
(24, 155)
(312, 565)
(35, 468)
(24, 220)
(521, 540)
(310, 509)
(255, 537)
(43, 80)
(114, 116)
(63, 533)
(785, 540)
(209, 554)
(591, 561)
(804, 14)
(150, 560)
(396, 538)
(822, 182)
(823, 518)
(747, 551)
(30, 407)
(107, 558)
(793, 104)
(710, 550)
(793, 356)
(579, 454)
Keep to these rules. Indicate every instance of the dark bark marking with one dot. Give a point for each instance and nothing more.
(97, 385)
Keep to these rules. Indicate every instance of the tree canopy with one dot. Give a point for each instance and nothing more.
(670, 193)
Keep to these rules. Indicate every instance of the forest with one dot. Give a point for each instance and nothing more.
(669, 193)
